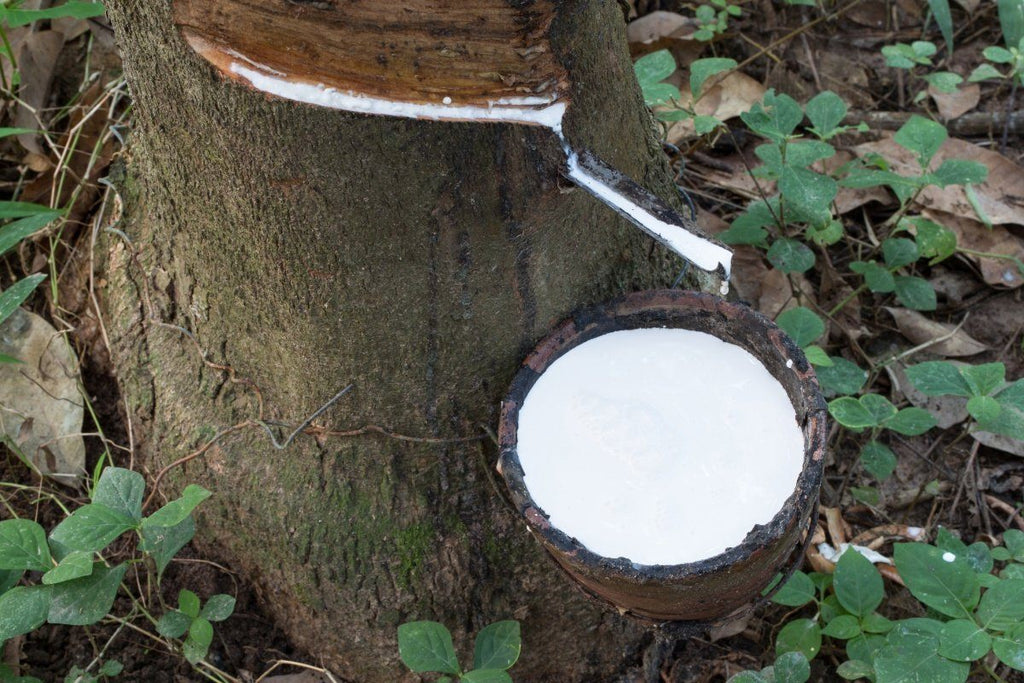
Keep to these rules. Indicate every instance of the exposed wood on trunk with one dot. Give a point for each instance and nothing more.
(475, 52)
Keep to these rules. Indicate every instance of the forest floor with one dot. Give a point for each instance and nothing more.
(70, 87)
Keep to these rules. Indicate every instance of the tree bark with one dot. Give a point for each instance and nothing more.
(311, 249)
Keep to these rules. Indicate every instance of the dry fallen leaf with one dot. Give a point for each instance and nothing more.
(37, 58)
(657, 26)
(956, 103)
(970, 234)
(41, 410)
(730, 97)
(920, 329)
(1001, 197)
(1000, 442)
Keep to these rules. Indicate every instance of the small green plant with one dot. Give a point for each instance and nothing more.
(195, 619)
(910, 56)
(995, 405)
(972, 609)
(1011, 21)
(790, 667)
(76, 583)
(426, 647)
(713, 19)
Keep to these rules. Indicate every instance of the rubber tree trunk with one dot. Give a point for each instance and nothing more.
(310, 249)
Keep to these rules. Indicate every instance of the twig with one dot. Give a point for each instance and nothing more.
(319, 411)
(1013, 514)
(963, 480)
(288, 662)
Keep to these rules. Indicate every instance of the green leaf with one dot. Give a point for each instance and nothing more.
(120, 490)
(23, 609)
(944, 81)
(944, 18)
(74, 9)
(826, 234)
(703, 69)
(802, 324)
(979, 557)
(1011, 20)
(826, 111)
(660, 93)
(173, 624)
(175, 512)
(1002, 606)
(487, 676)
(868, 495)
(164, 542)
(959, 172)
(961, 640)
(983, 408)
(799, 635)
(11, 132)
(1009, 422)
(911, 422)
(796, 592)
(921, 136)
(817, 356)
(864, 648)
(934, 241)
(915, 293)
(1013, 395)
(879, 406)
(23, 546)
(938, 378)
(750, 677)
(984, 72)
(497, 646)
(775, 117)
(110, 668)
(74, 566)
(13, 296)
(218, 608)
(983, 379)
(791, 256)
(858, 584)
(878, 460)
(843, 627)
(654, 67)
(898, 251)
(878, 278)
(937, 578)
(22, 209)
(744, 233)
(902, 56)
(808, 191)
(851, 413)
(703, 124)
(912, 657)
(854, 669)
(1013, 539)
(91, 528)
(1009, 648)
(188, 602)
(843, 377)
(87, 600)
(197, 644)
(426, 646)
(16, 231)
(10, 578)
(792, 667)
(876, 623)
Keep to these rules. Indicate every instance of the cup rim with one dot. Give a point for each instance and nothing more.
(657, 307)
